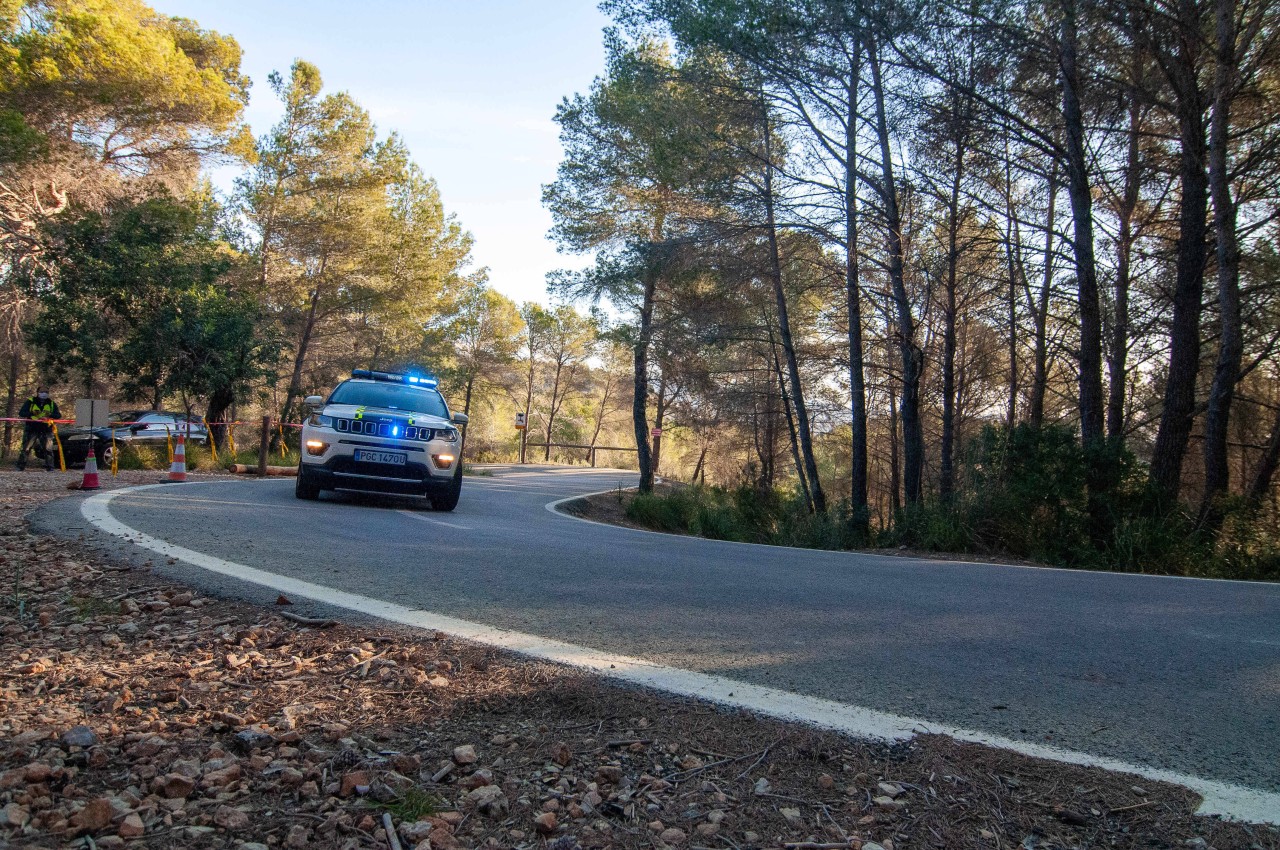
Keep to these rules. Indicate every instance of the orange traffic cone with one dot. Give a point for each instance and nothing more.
(90, 481)
(178, 470)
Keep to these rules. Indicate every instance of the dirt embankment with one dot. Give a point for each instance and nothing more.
(136, 712)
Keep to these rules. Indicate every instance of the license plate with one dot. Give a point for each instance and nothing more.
(393, 458)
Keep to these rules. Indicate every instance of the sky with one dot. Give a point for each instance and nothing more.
(471, 86)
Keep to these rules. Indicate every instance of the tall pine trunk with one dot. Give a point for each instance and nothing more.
(294, 392)
(1040, 315)
(1117, 363)
(791, 428)
(466, 411)
(803, 430)
(1079, 190)
(912, 357)
(1231, 340)
(946, 476)
(1192, 253)
(640, 377)
(853, 299)
(1098, 472)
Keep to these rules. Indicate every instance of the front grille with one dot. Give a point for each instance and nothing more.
(382, 429)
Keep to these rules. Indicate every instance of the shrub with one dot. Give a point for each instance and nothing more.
(1025, 496)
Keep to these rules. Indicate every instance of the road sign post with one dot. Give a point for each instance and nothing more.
(522, 425)
(92, 412)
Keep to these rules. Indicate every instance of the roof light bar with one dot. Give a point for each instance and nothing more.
(396, 378)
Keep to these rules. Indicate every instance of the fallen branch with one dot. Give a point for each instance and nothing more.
(1131, 808)
(314, 622)
(246, 469)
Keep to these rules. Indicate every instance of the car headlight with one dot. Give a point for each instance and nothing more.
(322, 420)
(449, 435)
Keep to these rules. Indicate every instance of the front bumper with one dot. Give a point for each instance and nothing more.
(337, 468)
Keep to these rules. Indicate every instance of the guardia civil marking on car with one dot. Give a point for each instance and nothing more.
(382, 432)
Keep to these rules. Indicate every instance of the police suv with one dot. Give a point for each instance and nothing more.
(381, 432)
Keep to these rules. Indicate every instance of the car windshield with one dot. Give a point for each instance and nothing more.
(390, 396)
(128, 415)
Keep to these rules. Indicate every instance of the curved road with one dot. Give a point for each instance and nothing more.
(1173, 674)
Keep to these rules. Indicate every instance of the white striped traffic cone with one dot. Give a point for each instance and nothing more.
(178, 469)
(90, 481)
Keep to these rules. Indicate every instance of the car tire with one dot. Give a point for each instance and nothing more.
(305, 486)
(105, 454)
(447, 500)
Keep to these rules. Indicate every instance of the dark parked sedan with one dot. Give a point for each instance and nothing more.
(137, 427)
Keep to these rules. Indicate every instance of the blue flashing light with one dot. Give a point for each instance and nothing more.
(395, 432)
(393, 377)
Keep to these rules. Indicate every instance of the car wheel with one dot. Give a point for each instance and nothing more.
(105, 455)
(448, 499)
(305, 486)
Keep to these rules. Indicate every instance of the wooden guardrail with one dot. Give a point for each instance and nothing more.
(591, 450)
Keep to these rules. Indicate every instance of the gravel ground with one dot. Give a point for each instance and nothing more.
(136, 712)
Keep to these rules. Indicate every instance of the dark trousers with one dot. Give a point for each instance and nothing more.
(37, 441)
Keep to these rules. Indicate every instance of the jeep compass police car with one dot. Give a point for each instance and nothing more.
(382, 432)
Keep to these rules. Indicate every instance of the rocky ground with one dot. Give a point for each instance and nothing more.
(136, 712)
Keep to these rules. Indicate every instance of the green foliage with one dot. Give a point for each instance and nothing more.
(351, 238)
(127, 79)
(1024, 497)
(746, 514)
(140, 290)
(414, 804)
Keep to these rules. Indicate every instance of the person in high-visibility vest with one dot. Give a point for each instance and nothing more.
(36, 431)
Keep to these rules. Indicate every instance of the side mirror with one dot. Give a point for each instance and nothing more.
(314, 401)
(459, 418)
(136, 427)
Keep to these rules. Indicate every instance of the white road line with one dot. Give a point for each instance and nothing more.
(139, 498)
(414, 515)
(1219, 798)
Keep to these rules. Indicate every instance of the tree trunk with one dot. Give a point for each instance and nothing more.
(699, 469)
(600, 411)
(528, 399)
(640, 380)
(466, 411)
(1040, 314)
(895, 469)
(552, 409)
(1097, 471)
(784, 330)
(1079, 190)
(1266, 471)
(1016, 272)
(791, 428)
(946, 478)
(659, 414)
(1192, 253)
(220, 401)
(912, 357)
(11, 400)
(1117, 363)
(304, 342)
(1231, 342)
(853, 296)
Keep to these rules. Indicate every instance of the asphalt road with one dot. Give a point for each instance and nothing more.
(1174, 674)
